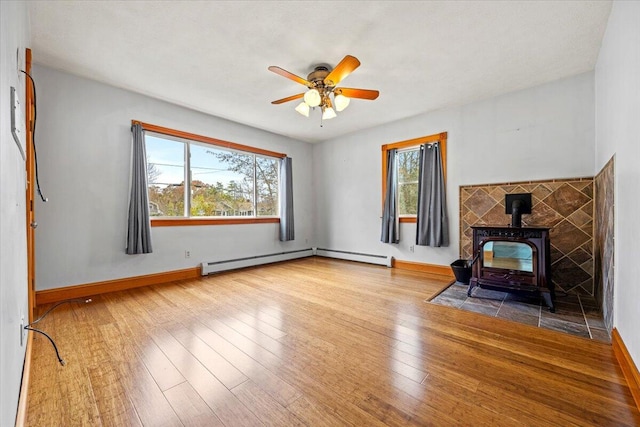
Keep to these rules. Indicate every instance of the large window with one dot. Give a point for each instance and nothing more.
(407, 166)
(225, 181)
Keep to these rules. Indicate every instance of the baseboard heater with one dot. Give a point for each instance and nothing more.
(354, 256)
(232, 264)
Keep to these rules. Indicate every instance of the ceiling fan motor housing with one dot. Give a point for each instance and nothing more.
(318, 75)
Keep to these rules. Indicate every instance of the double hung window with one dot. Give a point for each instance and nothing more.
(407, 171)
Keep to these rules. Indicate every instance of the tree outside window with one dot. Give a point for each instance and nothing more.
(407, 166)
(222, 183)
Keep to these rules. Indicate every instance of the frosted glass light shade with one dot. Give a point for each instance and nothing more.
(312, 98)
(303, 109)
(328, 113)
(341, 102)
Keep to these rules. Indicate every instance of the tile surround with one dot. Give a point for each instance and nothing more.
(604, 241)
(564, 205)
(580, 215)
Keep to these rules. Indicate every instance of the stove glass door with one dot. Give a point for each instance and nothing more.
(508, 255)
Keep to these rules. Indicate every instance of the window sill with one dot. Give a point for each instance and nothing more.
(178, 222)
(409, 219)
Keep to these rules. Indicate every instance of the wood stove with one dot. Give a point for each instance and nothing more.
(513, 259)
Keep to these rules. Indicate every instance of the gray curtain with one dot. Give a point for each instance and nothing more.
(287, 231)
(139, 225)
(432, 228)
(390, 221)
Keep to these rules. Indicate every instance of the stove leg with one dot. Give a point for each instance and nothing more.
(549, 301)
(472, 285)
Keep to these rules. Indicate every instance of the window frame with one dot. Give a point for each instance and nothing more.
(191, 221)
(407, 145)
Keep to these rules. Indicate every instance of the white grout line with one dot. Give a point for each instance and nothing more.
(539, 314)
(501, 304)
(584, 316)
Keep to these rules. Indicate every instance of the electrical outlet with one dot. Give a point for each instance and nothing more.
(187, 254)
(411, 248)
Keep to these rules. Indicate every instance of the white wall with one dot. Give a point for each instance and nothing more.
(15, 37)
(84, 145)
(539, 133)
(618, 133)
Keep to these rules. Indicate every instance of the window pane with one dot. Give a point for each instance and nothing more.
(267, 186)
(408, 164)
(408, 169)
(221, 182)
(408, 199)
(165, 174)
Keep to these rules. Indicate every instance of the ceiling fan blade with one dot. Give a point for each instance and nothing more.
(285, 73)
(357, 93)
(342, 70)
(287, 99)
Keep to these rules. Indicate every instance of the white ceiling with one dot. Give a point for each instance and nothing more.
(212, 56)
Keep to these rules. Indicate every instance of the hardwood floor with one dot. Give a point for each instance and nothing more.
(313, 342)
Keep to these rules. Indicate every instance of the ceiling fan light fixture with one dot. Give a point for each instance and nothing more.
(303, 109)
(312, 98)
(328, 113)
(341, 102)
(322, 88)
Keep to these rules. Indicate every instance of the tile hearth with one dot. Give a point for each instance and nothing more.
(575, 314)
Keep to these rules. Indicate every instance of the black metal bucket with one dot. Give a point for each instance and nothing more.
(462, 270)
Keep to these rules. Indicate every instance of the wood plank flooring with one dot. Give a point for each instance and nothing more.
(313, 342)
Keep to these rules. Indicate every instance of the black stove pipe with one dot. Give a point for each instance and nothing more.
(516, 215)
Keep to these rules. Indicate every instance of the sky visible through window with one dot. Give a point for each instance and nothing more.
(168, 157)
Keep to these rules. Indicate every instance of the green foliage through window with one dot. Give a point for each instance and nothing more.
(222, 183)
(407, 164)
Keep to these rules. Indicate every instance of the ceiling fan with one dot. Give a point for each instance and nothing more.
(322, 83)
